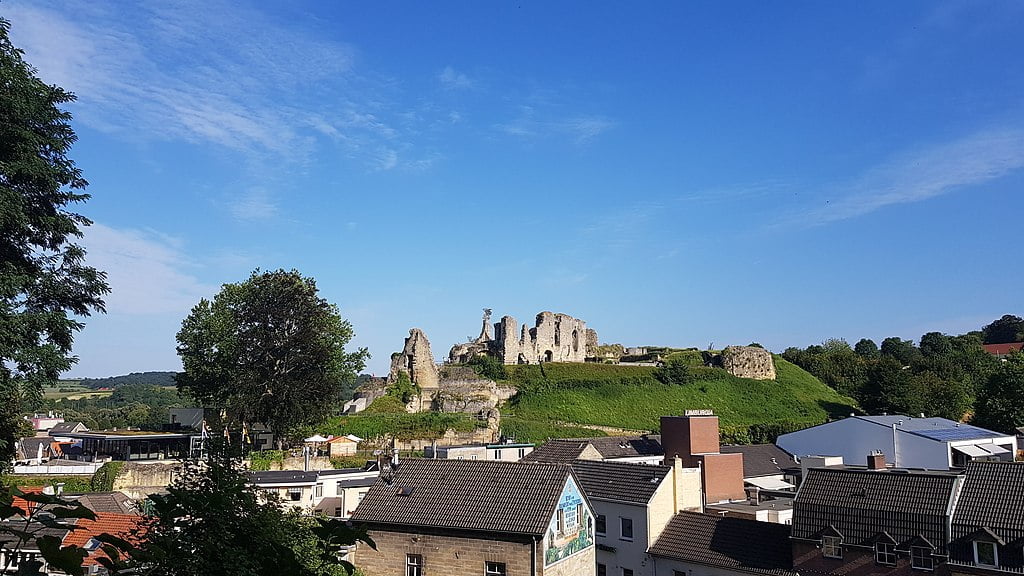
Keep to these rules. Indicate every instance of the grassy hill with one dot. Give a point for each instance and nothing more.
(563, 399)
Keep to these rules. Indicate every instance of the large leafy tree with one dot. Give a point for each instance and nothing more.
(268, 350)
(45, 285)
(1009, 328)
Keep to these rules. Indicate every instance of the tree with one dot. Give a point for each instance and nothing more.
(866, 348)
(903, 351)
(212, 523)
(1000, 404)
(936, 344)
(1009, 328)
(268, 350)
(45, 286)
(674, 371)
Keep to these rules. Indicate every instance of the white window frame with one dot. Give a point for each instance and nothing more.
(413, 565)
(622, 531)
(495, 569)
(884, 551)
(601, 519)
(995, 553)
(832, 547)
(319, 491)
(921, 558)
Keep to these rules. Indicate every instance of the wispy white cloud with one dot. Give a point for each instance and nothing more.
(147, 271)
(926, 173)
(533, 123)
(253, 205)
(453, 80)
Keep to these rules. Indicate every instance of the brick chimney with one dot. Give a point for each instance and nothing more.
(694, 439)
(876, 461)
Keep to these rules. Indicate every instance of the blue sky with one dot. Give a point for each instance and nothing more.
(673, 173)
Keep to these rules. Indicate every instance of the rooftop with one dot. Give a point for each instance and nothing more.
(476, 495)
(760, 459)
(619, 481)
(733, 543)
(283, 477)
(560, 450)
(861, 504)
(993, 497)
(941, 429)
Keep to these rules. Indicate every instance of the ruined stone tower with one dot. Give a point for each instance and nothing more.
(553, 338)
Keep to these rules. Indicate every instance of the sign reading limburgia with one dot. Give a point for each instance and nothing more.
(700, 412)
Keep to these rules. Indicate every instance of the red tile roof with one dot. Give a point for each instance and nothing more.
(25, 505)
(120, 525)
(1003, 349)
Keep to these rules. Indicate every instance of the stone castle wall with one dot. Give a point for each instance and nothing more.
(748, 362)
(553, 338)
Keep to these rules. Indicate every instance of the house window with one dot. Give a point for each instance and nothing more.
(602, 570)
(522, 452)
(413, 565)
(831, 547)
(985, 553)
(494, 569)
(921, 558)
(602, 524)
(627, 572)
(497, 454)
(626, 529)
(319, 491)
(561, 521)
(295, 494)
(885, 553)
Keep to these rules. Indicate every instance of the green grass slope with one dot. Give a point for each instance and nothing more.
(557, 399)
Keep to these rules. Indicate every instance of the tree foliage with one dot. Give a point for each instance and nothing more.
(674, 371)
(1001, 399)
(212, 523)
(268, 350)
(45, 285)
(1009, 328)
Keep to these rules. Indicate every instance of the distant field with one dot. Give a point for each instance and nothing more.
(72, 390)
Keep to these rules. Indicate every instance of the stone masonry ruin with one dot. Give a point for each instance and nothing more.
(748, 362)
(554, 338)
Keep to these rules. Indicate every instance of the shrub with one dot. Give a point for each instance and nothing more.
(103, 479)
(261, 460)
(488, 367)
(386, 405)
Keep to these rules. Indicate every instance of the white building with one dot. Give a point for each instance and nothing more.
(932, 443)
(331, 492)
(632, 505)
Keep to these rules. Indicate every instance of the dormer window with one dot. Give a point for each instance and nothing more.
(832, 547)
(921, 558)
(986, 553)
(885, 553)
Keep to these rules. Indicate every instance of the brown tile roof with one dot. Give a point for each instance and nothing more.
(757, 458)
(861, 504)
(559, 450)
(477, 495)
(619, 481)
(727, 542)
(119, 525)
(1003, 349)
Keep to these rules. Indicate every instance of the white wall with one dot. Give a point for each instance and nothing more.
(854, 439)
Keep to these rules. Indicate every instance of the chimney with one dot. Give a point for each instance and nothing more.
(876, 461)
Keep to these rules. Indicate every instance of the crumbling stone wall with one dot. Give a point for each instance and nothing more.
(138, 480)
(748, 362)
(417, 361)
(553, 338)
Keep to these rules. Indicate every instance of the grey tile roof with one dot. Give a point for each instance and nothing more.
(992, 498)
(619, 481)
(757, 458)
(861, 504)
(67, 427)
(727, 542)
(628, 446)
(29, 447)
(115, 502)
(559, 450)
(476, 495)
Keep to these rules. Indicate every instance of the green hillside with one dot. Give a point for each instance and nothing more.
(557, 399)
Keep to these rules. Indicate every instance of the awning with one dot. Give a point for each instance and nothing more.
(769, 483)
(972, 451)
(316, 438)
(994, 448)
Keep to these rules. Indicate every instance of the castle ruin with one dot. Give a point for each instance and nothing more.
(554, 338)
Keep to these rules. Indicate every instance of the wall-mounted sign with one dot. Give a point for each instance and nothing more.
(702, 412)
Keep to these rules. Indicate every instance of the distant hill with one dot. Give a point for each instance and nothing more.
(150, 378)
(564, 399)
